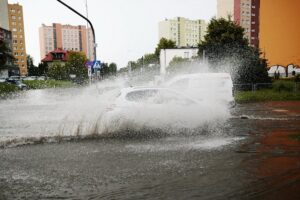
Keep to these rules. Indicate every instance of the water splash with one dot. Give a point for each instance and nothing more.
(54, 115)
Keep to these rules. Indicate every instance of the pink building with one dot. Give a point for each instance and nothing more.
(66, 37)
(245, 13)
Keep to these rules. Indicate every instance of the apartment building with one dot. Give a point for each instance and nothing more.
(185, 32)
(16, 26)
(245, 13)
(66, 37)
(4, 15)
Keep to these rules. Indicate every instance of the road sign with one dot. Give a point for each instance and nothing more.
(97, 65)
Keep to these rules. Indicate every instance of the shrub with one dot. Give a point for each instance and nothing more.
(297, 78)
(280, 86)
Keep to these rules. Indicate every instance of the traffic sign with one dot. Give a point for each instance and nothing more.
(97, 65)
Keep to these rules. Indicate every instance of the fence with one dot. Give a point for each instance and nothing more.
(259, 86)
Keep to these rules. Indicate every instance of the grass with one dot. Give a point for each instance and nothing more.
(6, 88)
(282, 90)
(266, 95)
(40, 84)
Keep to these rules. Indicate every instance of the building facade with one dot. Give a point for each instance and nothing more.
(185, 32)
(245, 13)
(7, 69)
(280, 31)
(4, 14)
(16, 25)
(66, 37)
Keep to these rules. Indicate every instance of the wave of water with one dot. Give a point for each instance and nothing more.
(53, 115)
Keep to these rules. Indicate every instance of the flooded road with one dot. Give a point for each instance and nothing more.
(252, 154)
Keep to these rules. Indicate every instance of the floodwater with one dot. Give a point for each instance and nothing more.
(246, 153)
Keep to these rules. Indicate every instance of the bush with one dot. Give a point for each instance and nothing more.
(283, 86)
(297, 78)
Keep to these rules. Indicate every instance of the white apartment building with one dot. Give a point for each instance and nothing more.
(185, 32)
(66, 37)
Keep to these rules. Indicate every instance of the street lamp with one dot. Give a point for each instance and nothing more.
(90, 23)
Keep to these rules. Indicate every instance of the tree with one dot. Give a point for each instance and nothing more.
(58, 72)
(104, 69)
(177, 64)
(32, 70)
(164, 44)
(225, 44)
(43, 68)
(112, 69)
(5, 54)
(76, 66)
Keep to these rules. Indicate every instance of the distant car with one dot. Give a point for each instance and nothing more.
(41, 78)
(18, 83)
(207, 86)
(14, 78)
(2, 80)
(29, 78)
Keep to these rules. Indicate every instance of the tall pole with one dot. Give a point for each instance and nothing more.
(90, 23)
(87, 30)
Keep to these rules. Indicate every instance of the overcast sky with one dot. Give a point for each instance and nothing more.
(125, 29)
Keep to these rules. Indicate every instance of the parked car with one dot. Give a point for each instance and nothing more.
(14, 78)
(2, 80)
(41, 78)
(30, 78)
(18, 83)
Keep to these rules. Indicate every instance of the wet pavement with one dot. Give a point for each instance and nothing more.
(254, 155)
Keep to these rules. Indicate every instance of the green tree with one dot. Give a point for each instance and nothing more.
(76, 66)
(112, 69)
(58, 72)
(225, 44)
(43, 68)
(164, 44)
(177, 64)
(32, 70)
(5, 54)
(104, 70)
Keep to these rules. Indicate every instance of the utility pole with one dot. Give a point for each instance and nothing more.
(90, 23)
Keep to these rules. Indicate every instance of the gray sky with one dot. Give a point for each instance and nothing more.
(125, 29)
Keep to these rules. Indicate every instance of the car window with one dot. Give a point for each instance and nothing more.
(141, 95)
(158, 97)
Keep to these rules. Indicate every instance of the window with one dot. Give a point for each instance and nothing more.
(15, 41)
(14, 29)
(13, 17)
(12, 10)
(19, 18)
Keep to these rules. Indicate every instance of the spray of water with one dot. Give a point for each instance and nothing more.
(53, 115)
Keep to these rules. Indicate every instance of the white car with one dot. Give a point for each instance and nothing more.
(147, 105)
(207, 86)
(135, 96)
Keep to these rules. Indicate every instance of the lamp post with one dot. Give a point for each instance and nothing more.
(90, 23)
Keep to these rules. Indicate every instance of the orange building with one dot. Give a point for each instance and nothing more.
(280, 31)
(16, 25)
